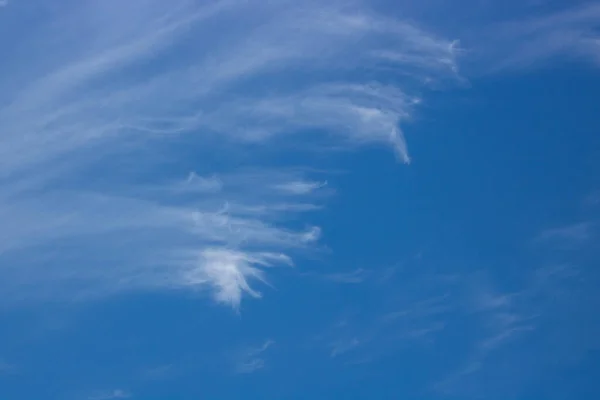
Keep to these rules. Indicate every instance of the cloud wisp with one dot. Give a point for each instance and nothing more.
(6, 368)
(354, 276)
(524, 335)
(251, 360)
(570, 235)
(404, 313)
(525, 43)
(105, 108)
(113, 394)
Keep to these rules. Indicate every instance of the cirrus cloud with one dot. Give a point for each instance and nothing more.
(106, 107)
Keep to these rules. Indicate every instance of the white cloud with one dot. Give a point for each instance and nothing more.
(159, 372)
(503, 318)
(300, 187)
(358, 275)
(203, 184)
(403, 312)
(528, 42)
(113, 394)
(106, 107)
(567, 236)
(228, 272)
(121, 241)
(251, 359)
(340, 347)
(6, 368)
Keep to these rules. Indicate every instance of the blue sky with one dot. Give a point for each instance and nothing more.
(299, 199)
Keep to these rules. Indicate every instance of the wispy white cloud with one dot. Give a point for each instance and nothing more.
(229, 272)
(358, 275)
(203, 184)
(523, 333)
(113, 394)
(571, 32)
(251, 359)
(152, 244)
(426, 308)
(159, 372)
(569, 235)
(106, 107)
(593, 199)
(6, 368)
(301, 187)
(340, 347)
(501, 320)
(519, 331)
(404, 312)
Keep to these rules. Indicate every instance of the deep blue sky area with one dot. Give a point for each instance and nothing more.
(299, 200)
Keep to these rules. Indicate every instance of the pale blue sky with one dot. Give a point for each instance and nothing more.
(299, 200)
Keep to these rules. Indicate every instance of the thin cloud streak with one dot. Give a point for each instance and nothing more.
(114, 394)
(567, 235)
(6, 368)
(300, 187)
(533, 42)
(340, 347)
(252, 360)
(356, 276)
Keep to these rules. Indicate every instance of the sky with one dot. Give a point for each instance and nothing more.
(249, 199)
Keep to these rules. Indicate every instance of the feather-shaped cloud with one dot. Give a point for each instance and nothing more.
(106, 107)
